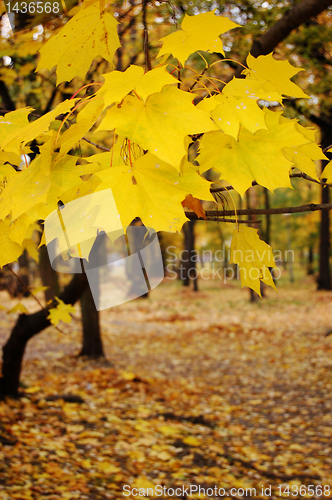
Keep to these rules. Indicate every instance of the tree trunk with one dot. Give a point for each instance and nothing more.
(135, 239)
(324, 277)
(48, 275)
(188, 269)
(267, 235)
(310, 263)
(92, 344)
(26, 327)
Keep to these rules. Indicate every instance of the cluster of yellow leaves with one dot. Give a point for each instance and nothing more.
(147, 168)
(255, 143)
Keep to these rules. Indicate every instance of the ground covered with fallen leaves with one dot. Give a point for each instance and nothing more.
(202, 389)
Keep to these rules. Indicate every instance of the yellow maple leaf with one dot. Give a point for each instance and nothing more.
(31, 247)
(119, 83)
(153, 81)
(200, 32)
(6, 169)
(29, 187)
(253, 89)
(253, 256)
(60, 313)
(11, 123)
(298, 143)
(231, 112)
(85, 120)
(10, 250)
(18, 229)
(137, 192)
(23, 131)
(161, 124)
(277, 73)
(253, 157)
(90, 33)
(265, 156)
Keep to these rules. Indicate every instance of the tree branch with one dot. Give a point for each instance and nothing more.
(292, 19)
(231, 221)
(25, 328)
(96, 145)
(311, 207)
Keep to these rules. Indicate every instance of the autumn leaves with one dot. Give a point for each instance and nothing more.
(154, 116)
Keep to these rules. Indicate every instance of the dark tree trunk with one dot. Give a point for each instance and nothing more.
(135, 239)
(267, 237)
(92, 344)
(26, 327)
(19, 287)
(48, 275)
(23, 286)
(6, 100)
(310, 264)
(188, 267)
(324, 276)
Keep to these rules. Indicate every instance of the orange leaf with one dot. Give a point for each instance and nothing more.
(195, 205)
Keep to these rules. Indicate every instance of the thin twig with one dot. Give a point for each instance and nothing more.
(218, 219)
(96, 145)
(195, 83)
(327, 148)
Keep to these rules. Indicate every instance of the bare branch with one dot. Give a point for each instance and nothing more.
(327, 148)
(291, 20)
(311, 207)
(193, 216)
(96, 145)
